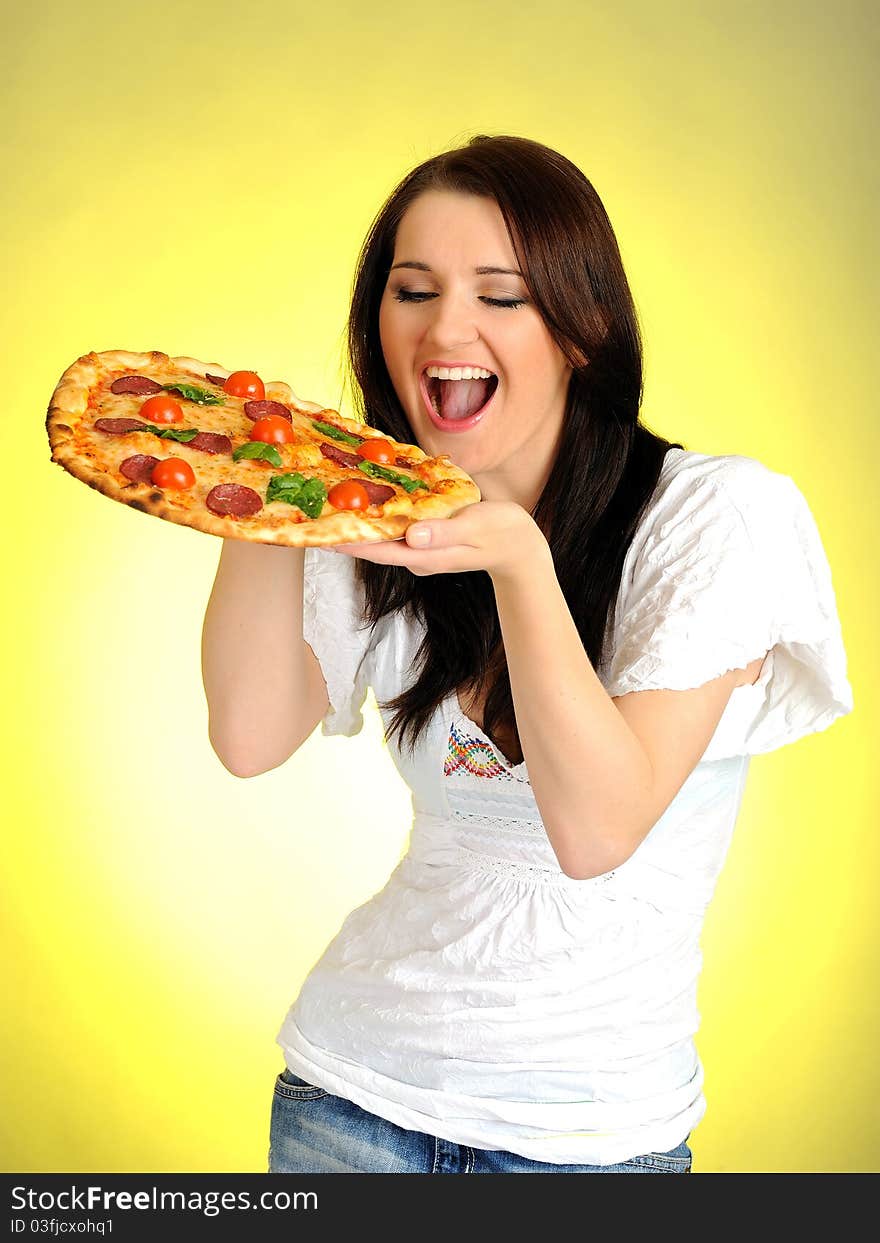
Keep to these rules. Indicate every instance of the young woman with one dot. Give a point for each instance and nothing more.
(572, 675)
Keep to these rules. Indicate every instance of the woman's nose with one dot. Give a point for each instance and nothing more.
(452, 323)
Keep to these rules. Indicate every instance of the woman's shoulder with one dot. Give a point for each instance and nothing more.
(703, 489)
(728, 564)
(733, 473)
(708, 509)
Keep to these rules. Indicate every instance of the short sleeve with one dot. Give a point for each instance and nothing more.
(335, 631)
(732, 567)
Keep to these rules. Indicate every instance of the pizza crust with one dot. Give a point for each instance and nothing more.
(451, 488)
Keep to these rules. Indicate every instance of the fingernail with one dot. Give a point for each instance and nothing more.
(419, 537)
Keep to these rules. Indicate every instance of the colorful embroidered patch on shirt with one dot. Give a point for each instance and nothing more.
(473, 755)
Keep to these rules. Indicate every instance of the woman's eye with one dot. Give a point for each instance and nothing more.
(406, 295)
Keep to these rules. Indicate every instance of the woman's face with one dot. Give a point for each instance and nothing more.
(440, 310)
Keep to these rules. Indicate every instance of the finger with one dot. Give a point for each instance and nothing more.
(382, 552)
(420, 535)
(417, 561)
(445, 533)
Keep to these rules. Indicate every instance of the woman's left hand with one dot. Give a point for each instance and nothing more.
(497, 536)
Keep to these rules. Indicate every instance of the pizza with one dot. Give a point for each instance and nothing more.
(225, 453)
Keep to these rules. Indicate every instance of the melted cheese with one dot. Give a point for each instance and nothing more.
(107, 451)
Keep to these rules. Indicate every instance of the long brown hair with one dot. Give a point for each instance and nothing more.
(608, 463)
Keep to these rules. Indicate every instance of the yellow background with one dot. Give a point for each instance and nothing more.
(198, 179)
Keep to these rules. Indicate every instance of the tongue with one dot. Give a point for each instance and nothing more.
(461, 398)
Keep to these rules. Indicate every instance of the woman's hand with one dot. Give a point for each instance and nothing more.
(497, 536)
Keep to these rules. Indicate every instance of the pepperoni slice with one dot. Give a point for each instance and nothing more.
(211, 442)
(135, 384)
(119, 427)
(378, 493)
(215, 379)
(139, 468)
(234, 499)
(260, 409)
(335, 454)
(405, 463)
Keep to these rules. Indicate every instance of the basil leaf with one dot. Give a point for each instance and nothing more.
(192, 392)
(309, 495)
(336, 433)
(256, 448)
(377, 471)
(284, 483)
(312, 497)
(180, 434)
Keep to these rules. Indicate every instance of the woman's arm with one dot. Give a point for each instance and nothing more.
(263, 683)
(602, 770)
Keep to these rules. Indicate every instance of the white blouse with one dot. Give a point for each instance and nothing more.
(482, 995)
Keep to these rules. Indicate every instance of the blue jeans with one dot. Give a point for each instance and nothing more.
(314, 1132)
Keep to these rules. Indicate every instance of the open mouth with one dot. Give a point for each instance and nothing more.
(458, 400)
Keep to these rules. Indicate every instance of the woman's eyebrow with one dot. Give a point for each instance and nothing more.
(485, 270)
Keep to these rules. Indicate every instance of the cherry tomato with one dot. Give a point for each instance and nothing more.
(348, 495)
(173, 472)
(377, 450)
(273, 430)
(245, 384)
(161, 409)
